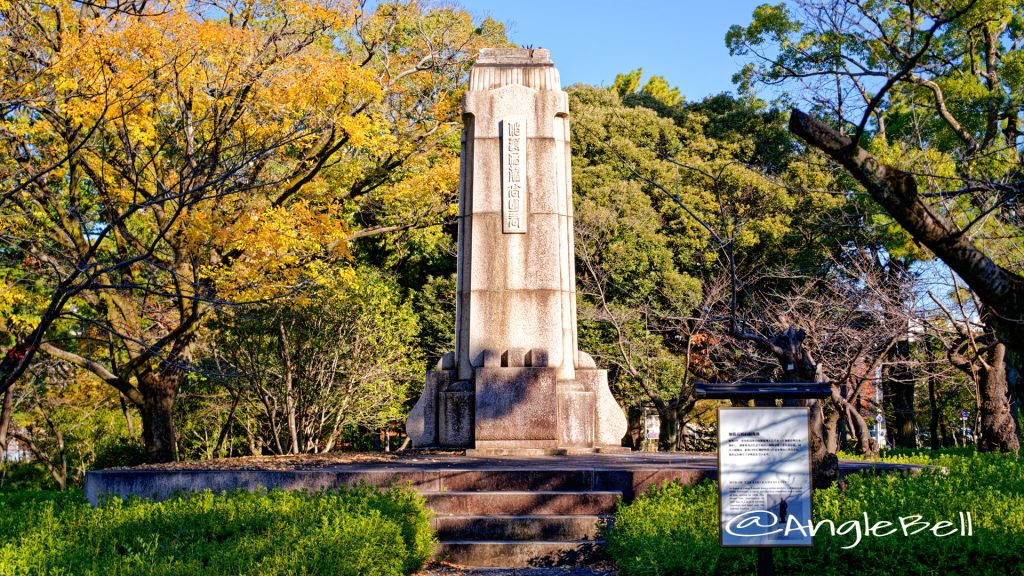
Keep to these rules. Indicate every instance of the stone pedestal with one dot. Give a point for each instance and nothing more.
(516, 383)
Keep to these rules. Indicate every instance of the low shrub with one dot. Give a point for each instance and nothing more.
(913, 455)
(674, 529)
(17, 476)
(119, 453)
(361, 531)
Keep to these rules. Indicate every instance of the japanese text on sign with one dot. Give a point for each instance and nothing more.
(513, 175)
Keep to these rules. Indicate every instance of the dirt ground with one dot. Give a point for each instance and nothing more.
(295, 461)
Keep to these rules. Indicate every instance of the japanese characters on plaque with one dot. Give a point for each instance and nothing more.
(513, 175)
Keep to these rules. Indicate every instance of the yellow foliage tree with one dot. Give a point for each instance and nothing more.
(162, 159)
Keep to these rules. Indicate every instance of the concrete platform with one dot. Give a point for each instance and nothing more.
(626, 473)
(508, 511)
(629, 474)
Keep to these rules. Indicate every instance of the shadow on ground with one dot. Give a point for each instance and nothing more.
(441, 569)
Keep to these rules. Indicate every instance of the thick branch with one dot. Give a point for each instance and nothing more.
(96, 368)
(944, 113)
(896, 191)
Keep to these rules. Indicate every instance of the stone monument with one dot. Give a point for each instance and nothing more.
(516, 383)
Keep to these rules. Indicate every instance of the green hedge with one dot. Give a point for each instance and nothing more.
(362, 531)
(674, 529)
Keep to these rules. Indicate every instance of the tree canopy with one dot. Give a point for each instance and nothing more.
(167, 160)
(921, 104)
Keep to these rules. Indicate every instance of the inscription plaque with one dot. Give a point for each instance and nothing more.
(513, 175)
(764, 476)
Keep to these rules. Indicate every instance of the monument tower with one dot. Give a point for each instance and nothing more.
(517, 382)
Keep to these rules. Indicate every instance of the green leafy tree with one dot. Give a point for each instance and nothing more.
(658, 88)
(627, 83)
(305, 369)
(435, 306)
(633, 293)
(662, 205)
(921, 105)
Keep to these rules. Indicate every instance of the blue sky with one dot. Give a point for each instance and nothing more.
(593, 40)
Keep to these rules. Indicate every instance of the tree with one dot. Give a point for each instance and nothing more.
(307, 368)
(435, 306)
(852, 319)
(65, 419)
(635, 300)
(923, 104)
(167, 160)
(660, 203)
(628, 83)
(973, 348)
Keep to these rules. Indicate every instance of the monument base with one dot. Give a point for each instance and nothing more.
(517, 411)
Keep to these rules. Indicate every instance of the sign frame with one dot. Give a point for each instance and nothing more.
(514, 193)
(810, 478)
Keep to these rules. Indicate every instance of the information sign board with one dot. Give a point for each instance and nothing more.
(764, 473)
(652, 427)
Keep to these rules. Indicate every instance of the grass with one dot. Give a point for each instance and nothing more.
(361, 531)
(674, 529)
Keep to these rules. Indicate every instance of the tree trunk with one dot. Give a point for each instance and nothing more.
(669, 427)
(933, 404)
(832, 436)
(682, 410)
(5, 421)
(289, 393)
(226, 428)
(998, 430)
(158, 434)
(900, 392)
(824, 462)
(849, 427)
(127, 416)
(863, 431)
(635, 420)
(1014, 377)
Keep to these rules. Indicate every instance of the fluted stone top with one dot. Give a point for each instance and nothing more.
(514, 56)
(530, 67)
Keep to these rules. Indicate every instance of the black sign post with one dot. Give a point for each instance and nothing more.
(761, 391)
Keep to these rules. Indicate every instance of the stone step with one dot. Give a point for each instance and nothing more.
(554, 527)
(528, 480)
(505, 554)
(521, 502)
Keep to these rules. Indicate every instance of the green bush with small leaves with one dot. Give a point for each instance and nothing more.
(118, 453)
(674, 529)
(356, 532)
(18, 476)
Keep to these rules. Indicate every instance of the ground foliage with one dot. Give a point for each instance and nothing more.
(674, 529)
(361, 531)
